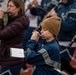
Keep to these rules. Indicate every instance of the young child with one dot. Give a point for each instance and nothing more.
(46, 58)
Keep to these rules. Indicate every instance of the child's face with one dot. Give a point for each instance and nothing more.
(46, 34)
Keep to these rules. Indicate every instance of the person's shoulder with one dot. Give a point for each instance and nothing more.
(50, 44)
(73, 6)
(24, 18)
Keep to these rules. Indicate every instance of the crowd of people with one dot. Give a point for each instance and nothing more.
(44, 29)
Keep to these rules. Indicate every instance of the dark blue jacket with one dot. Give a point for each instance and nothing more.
(67, 12)
(44, 59)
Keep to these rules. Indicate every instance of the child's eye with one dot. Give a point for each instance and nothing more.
(44, 29)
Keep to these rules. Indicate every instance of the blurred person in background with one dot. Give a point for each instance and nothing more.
(33, 25)
(67, 12)
(3, 4)
(42, 9)
(11, 36)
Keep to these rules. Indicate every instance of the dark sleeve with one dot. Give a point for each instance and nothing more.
(69, 23)
(33, 55)
(12, 30)
(42, 10)
(38, 11)
(1, 24)
(42, 56)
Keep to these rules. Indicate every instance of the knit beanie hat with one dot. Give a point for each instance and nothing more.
(52, 24)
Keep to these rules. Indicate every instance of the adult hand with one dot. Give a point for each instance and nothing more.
(35, 2)
(51, 13)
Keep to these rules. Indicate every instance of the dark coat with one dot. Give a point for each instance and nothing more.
(11, 36)
(45, 58)
(67, 13)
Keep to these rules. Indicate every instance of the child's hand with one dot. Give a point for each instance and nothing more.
(35, 35)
